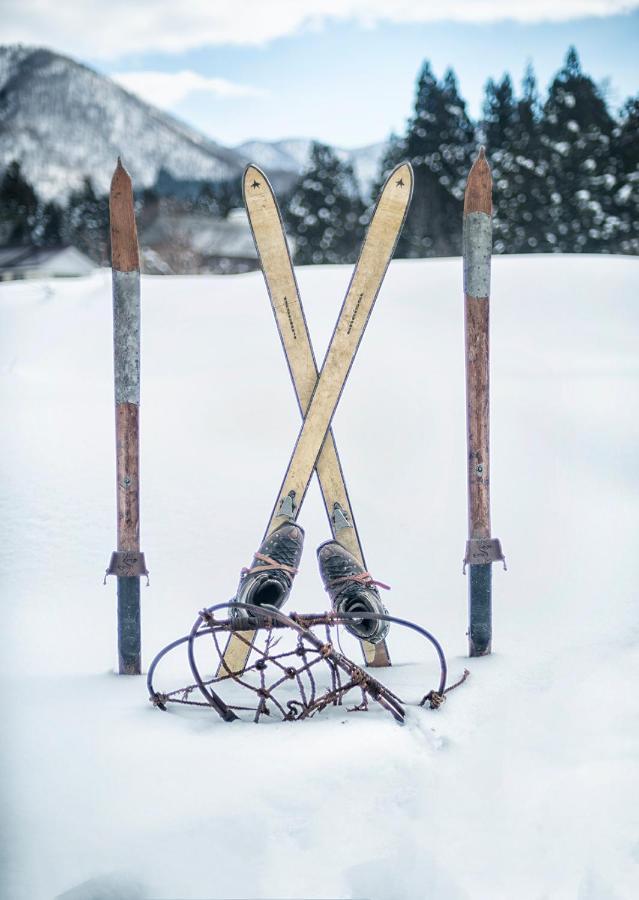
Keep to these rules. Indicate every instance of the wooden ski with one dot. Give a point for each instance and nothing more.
(377, 250)
(273, 251)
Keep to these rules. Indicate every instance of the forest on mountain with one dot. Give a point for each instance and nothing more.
(565, 171)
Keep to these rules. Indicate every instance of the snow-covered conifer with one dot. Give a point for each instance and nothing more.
(325, 214)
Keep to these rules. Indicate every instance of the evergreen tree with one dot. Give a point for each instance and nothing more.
(207, 202)
(87, 223)
(228, 196)
(499, 128)
(626, 154)
(147, 205)
(18, 207)
(581, 171)
(50, 225)
(325, 213)
(531, 233)
(511, 130)
(459, 139)
(500, 114)
(439, 143)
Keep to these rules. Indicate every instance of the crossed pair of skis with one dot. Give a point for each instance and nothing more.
(318, 393)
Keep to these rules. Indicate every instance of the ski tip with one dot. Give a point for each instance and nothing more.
(400, 180)
(478, 196)
(254, 180)
(125, 255)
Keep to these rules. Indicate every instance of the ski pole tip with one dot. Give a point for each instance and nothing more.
(479, 186)
(125, 256)
(121, 178)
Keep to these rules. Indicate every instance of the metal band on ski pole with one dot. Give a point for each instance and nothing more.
(127, 562)
(481, 549)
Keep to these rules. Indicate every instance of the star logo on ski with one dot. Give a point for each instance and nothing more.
(400, 183)
(255, 184)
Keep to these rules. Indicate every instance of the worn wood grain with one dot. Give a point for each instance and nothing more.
(128, 475)
(125, 255)
(477, 415)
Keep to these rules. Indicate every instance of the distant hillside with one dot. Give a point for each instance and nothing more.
(63, 121)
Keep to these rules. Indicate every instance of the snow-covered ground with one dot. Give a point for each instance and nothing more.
(523, 785)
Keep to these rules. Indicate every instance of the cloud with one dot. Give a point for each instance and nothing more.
(93, 29)
(168, 89)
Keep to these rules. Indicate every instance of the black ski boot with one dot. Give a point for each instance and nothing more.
(352, 590)
(269, 579)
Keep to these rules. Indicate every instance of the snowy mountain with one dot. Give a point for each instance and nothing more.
(63, 121)
(292, 156)
(289, 155)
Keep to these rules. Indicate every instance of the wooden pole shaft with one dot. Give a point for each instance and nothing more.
(129, 562)
(477, 254)
(477, 316)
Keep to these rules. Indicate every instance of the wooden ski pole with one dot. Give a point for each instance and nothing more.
(127, 563)
(481, 549)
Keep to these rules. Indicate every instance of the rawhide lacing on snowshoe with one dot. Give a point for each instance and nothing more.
(311, 667)
(436, 698)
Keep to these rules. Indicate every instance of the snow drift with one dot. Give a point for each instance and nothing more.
(522, 785)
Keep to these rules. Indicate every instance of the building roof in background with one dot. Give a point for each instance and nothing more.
(230, 237)
(53, 261)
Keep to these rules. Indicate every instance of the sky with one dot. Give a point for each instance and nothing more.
(342, 71)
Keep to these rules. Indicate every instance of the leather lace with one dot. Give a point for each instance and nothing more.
(270, 565)
(364, 578)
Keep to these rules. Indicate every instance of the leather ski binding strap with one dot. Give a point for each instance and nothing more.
(127, 564)
(481, 551)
